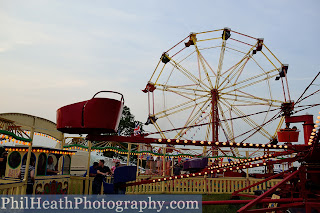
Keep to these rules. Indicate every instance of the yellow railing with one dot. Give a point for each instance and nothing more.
(13, 188)
(201, 186)
(77, 185)
(181, 186)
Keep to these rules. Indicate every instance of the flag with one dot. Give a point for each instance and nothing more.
(137, 130)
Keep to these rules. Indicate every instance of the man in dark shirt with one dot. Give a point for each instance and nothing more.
(102, 171)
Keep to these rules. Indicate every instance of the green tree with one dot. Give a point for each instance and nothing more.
(126, 128)
(127, 123)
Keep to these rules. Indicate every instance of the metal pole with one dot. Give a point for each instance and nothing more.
(61, 160)
(128, 155)
(215, 119)
(164, 162)
(172, 165)
(163, 168)
(86, 188)
(25, 179)
(204, 151)
(247, 156)
(138, 159)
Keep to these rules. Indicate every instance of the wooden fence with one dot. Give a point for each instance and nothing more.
(201, 186)
(13, 188)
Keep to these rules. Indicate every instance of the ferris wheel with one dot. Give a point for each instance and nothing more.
(218, 85)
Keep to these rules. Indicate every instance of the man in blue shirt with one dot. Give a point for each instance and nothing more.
(92, 173)
(92, 170)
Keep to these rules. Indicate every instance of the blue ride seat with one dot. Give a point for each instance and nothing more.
(121, 175)
(124, 174)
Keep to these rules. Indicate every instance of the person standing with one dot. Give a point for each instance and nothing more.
(92, 170)
(114, 167)
(102, 171)
(30, 175)
(51, 168)
(92, 173)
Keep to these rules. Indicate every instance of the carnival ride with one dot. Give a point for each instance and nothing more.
(16, 136)
(238, 98)
(238, 103)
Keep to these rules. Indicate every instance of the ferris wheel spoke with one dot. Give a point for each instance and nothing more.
(230, 133)
(188, 88)
(267, 74)
(254, 125)
(236, 74)
(196, 111)
(158, 129)
(251, 83)
(171, 123)
(181, 107)
(246, 55)
(192, 120)
(243, 102)
(268, 81)
(220, 64)
(208, 65)
(188, 93)
(209, 128)
(232, 71)
(204, 70)
(249, 121)
(188, 74)
(282, 119)
(186, 57)
(174, 108)
(195, 119)
(250, 96)
(201, 59)
(190, 96)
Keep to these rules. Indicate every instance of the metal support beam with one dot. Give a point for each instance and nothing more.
(234, 202)
(265, 180)
(255, 201)
(86, 186)
(215, 119)
(308, 124)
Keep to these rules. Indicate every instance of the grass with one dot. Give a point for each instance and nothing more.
(219, 208)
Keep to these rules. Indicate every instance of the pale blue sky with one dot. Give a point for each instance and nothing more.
(54, 53)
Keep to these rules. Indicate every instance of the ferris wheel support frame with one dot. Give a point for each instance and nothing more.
(215, 119)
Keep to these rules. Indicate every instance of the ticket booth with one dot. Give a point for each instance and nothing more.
(46, 182)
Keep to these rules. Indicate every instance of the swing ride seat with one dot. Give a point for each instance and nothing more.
(124, 174)
(97, 115)
(121, 175)
(195, 164)
(288, 135)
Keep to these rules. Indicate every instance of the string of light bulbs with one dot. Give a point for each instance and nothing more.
(314, 131)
